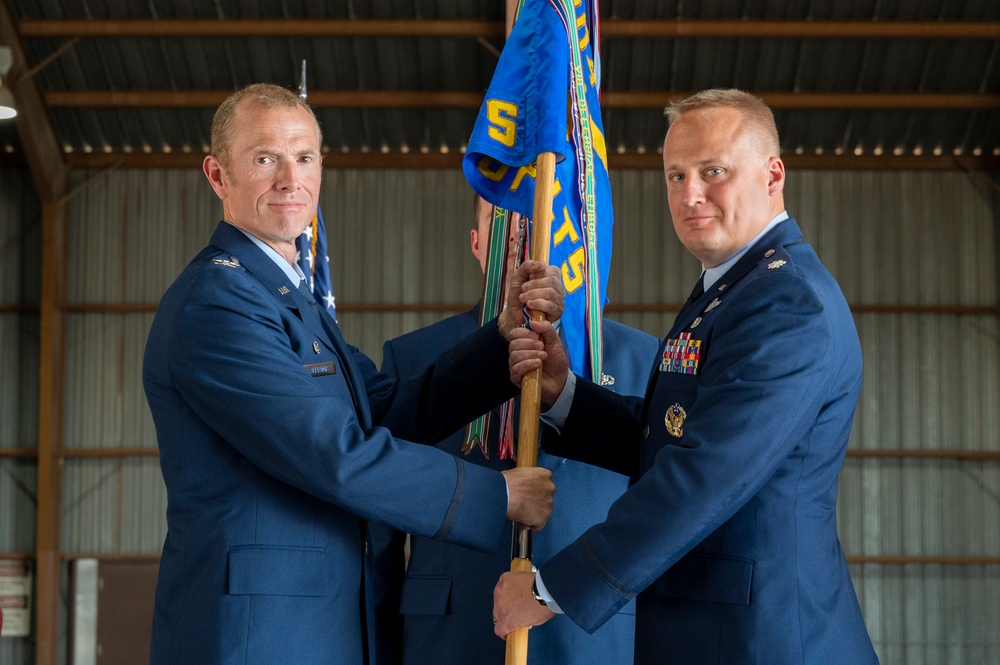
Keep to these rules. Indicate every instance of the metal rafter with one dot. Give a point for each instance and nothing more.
(610, 28)
(373, 99)
(492, 29)
(41, 148)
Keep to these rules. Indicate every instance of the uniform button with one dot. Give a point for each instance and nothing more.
(645, 432)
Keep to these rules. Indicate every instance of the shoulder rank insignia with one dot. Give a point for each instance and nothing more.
(607, 380)
(681, 355)
(712, 305)
(775, 264)
(231, 262)
(674, 420)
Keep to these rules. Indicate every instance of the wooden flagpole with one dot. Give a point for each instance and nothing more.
(531, 387)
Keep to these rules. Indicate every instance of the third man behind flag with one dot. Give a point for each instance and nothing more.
(436, 609)
(544, 100)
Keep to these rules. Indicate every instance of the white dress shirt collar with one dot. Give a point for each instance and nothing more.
(712, 275)
(291, 270)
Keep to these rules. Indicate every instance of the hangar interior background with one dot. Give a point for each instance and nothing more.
(889, 113)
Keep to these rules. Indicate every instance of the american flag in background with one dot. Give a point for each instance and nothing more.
(311, 255)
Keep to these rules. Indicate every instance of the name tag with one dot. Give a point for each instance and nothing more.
(322, 369)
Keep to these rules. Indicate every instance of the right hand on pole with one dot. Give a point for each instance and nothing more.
(539, 346)
(530, 491)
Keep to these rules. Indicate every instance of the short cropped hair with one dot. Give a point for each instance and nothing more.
(756, 113)
(263, 95)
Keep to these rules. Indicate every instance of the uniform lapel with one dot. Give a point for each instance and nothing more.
(354, 379)
(230, 239)
(784, 233)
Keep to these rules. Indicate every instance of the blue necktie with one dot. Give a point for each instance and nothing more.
(696, 292)
(304, 290)
(324, 314)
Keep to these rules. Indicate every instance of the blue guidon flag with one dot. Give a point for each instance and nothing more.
(311, 255)
(544, 97)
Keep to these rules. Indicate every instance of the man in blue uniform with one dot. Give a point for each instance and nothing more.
(274, 434)
(729, 536)
(447, 592)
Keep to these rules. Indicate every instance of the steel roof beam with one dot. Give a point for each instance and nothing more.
(610, 28)
(398, 99)
(41, 148)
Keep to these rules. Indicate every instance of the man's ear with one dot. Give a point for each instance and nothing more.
(216, 176)
(775, 176)
(474, 243)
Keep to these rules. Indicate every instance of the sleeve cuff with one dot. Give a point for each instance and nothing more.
(546, 596)
(556, 415)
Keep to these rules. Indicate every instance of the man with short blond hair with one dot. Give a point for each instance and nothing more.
(279, 441)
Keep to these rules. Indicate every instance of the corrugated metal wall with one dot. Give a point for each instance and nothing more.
(20, 235)
(892, 239)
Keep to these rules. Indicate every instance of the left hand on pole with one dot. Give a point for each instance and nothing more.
(513, 605)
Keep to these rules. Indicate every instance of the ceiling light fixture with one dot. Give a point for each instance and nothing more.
(7, 108)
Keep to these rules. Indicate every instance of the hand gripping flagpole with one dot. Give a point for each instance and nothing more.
(531, 388)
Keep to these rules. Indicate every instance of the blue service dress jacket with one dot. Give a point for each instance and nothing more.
(275, 447)
(729, 537)
(445, 601)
